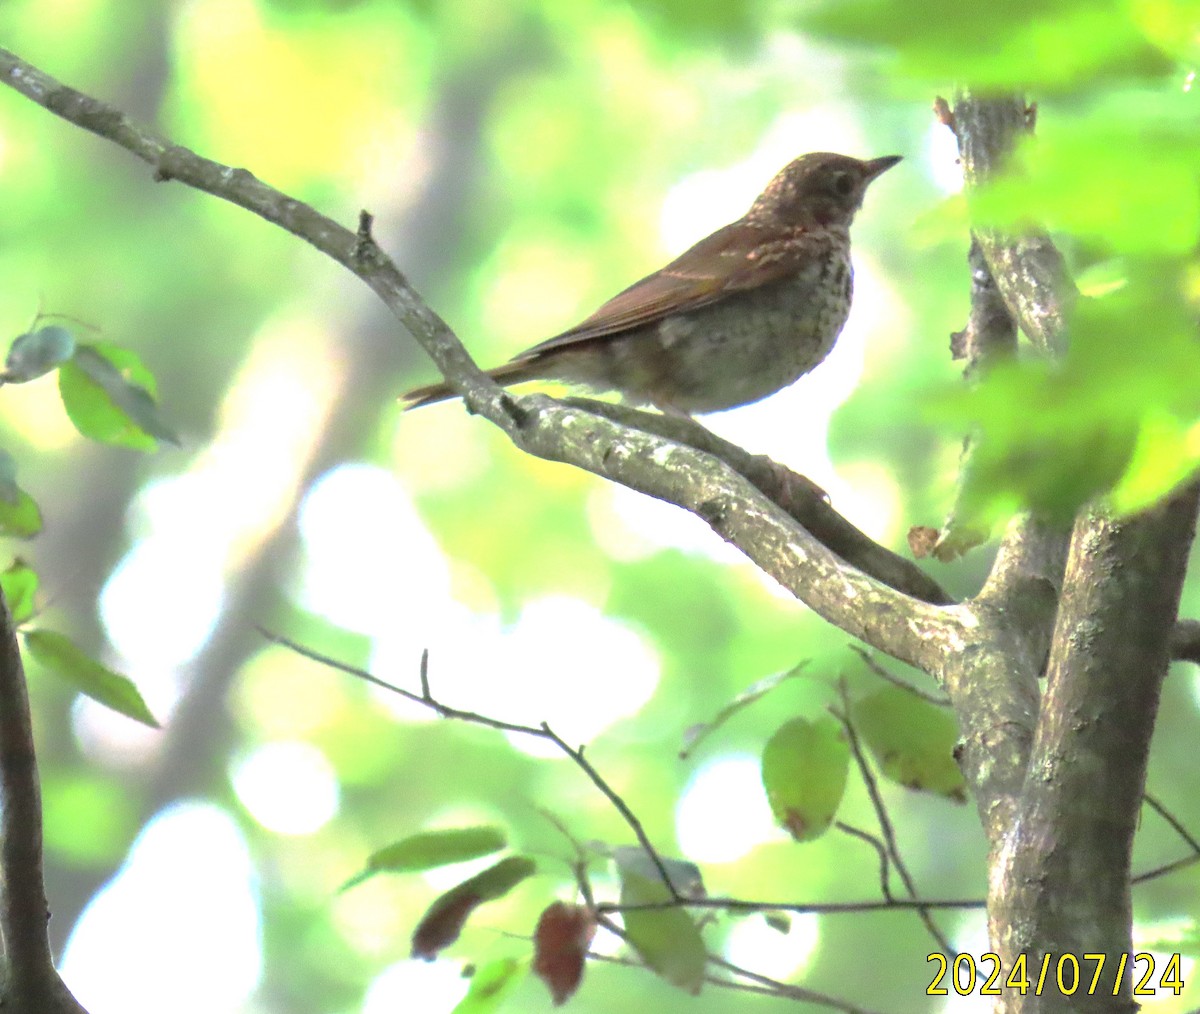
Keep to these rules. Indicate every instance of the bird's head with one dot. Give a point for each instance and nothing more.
(818, 189)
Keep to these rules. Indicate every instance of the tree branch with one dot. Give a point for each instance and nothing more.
(30, 981)
(542, 731)
(803, 501)
(1067, 864)
(1060, 853)
(914, 631)
(1028, 267)
(993, 688)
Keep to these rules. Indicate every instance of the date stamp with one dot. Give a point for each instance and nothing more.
(1066, 973)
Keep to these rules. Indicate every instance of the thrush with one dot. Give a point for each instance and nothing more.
(742, 314)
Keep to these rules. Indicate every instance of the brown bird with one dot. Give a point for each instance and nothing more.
(741, 315)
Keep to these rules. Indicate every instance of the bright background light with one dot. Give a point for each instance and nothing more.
(178, 924)
(289, 788)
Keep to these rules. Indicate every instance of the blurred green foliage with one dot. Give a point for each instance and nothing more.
(518, 157)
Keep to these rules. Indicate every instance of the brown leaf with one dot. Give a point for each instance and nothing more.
(560, 946)
(921, 540)
(958, 540)
(443, 922)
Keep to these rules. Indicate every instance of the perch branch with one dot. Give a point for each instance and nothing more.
(795, 494)
(897, 624)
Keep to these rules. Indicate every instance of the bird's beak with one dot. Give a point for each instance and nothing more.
(876, 166)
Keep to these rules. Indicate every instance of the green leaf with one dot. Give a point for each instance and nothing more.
(444, 919)
(912, 740)
(19, 584)
(780, 922)
(695, 735)
(666, 939)
(685, 875)
(1166, 454)
(36, 353)
(804, 768)
(429, 849)
(1043, 44)
(491, 985)
(1052, 437)
(22, 519)
(109, 396)
(496, 881)
(1076, 177)
(62, 657)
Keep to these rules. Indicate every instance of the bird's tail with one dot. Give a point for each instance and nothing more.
(509, 373)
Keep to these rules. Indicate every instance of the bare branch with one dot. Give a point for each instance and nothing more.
(885, 821)
(897, 624)
(1162, 871)
(542, 731)
(803, 908)
(1107, 662)
(1177, 826)
(794, 493)
(1027, 267)
(864, 607)
(885, 886)
(29, 979)
(1174, 821)
(888, 677)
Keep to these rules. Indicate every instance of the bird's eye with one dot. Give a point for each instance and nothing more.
(843, 184)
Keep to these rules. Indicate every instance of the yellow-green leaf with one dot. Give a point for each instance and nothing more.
(666, 939)
(429, 849)
(61, 656)
(912, 740)
(804, 767)
(19, 584)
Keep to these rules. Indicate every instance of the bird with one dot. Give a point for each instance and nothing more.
(743, 313)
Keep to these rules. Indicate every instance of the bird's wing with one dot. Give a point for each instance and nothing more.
(718, 265)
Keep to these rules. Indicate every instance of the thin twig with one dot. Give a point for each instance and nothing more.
(755, 983)
(1171, 819)
(760, 984)
(801, 908)
(1162, 871)
(786, 989)
(896, 681)
(885, 822)
(542, 731)
(885, 886)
